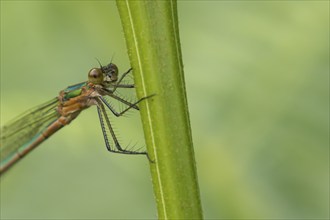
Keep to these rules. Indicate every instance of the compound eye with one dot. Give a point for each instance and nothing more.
(111, 71)
(114, 69)
(95, 76)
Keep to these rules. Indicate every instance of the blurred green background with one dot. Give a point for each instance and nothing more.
(257, 84)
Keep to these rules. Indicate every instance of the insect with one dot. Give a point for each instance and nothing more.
(26, 132)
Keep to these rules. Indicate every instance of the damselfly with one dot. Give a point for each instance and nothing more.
(26, 132)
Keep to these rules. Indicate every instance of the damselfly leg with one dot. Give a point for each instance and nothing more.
(105, 121)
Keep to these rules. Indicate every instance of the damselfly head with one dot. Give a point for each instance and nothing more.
(105, 75)
(111, 73)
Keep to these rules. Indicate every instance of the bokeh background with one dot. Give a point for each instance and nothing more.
(257, 84)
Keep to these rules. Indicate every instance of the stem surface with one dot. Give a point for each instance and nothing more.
(152, 38)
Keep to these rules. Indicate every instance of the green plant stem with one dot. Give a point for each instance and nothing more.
(152, 37)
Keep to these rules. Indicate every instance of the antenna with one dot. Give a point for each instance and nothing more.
(112, 57)
(98, 62)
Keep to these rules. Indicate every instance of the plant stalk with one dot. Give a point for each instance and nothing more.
(152, 38)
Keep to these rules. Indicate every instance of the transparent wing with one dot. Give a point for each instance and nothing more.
(22, 129)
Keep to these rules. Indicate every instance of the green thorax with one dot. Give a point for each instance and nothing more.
(74, 90)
